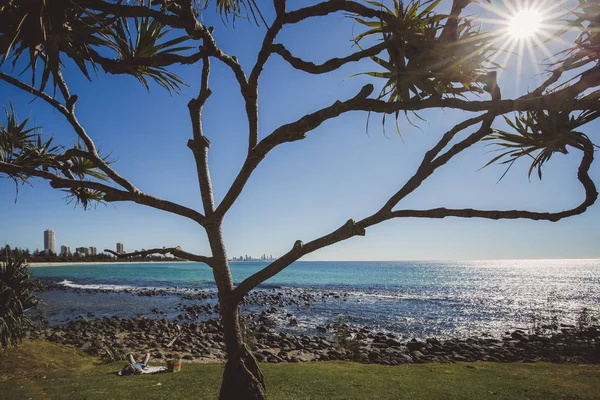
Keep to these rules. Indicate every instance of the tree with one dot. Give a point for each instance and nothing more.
(422, 59)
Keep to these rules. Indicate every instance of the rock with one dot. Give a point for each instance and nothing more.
(415, 345)
(373, 356)
(417, 354)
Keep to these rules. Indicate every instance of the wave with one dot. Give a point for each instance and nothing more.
(133, 289)
(112, 288)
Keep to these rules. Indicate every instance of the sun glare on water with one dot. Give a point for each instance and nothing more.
(524, 24)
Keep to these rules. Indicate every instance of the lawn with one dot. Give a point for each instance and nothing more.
(41, 370)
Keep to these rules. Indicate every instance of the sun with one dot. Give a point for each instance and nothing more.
(524, 24)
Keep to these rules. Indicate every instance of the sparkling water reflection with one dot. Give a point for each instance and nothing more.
(412, 298)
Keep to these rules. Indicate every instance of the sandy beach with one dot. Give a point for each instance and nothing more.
(59, 264)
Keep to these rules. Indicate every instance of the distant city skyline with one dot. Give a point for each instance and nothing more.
(246, 257)
(65, 251)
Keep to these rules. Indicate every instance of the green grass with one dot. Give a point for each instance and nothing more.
(63, 373)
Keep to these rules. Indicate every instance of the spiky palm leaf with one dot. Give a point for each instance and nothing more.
(24, 147)
(143, 43)
(539, 135)
(420, 62)
(43, 30)
(83, 167)
(85, 197)
(237, 9)
(14, 135)
(586, 49)
(17, 298)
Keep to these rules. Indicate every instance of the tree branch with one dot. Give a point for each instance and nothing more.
(118, 66)
(264, 53)
(176, 251)
(287, 133)
(332, 6)
(552, 101)
(200, 144)
(427, 168)
(329, 65)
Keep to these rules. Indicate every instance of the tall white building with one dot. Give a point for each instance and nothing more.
(120, 248)
(49, 241)
(93, 251)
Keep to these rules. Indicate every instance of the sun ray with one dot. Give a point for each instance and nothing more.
(521, 44)
(532, 58)
(526, 26)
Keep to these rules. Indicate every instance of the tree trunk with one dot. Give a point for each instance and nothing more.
(242, 379)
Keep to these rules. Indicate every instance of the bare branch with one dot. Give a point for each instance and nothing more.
(160, 204)
(427, 168)
(332, 6)
(545, 85)
(176, 251)
(553, 101)
(200, 144)
(251, 94)
(117, 66)
(329, 65)
(287, 133)
(30, 89)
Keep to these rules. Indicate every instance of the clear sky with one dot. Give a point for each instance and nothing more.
(304, 189)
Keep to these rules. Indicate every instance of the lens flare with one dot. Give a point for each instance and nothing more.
(524, 24)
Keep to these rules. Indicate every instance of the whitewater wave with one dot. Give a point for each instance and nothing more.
(133, 289)
(112, 288)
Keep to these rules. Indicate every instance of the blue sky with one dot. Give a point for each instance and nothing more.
(304, 189)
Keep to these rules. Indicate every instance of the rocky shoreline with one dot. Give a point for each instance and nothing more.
(196, 335)
(115, 337)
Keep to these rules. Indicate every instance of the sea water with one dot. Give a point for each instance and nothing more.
(411, 298)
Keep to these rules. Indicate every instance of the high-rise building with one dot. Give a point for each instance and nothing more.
(49, 241)
(65, 251)
(93, 251)
(82, 251)
(120, 249)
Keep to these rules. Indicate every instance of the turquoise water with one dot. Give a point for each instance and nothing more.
(413, 298)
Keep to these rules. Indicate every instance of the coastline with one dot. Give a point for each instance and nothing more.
(62, 264)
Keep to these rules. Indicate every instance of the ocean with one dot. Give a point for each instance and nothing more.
(411, 298)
